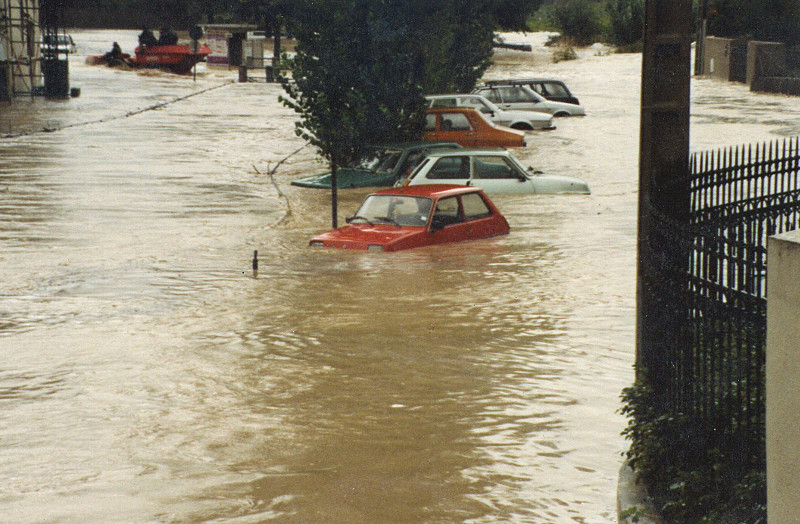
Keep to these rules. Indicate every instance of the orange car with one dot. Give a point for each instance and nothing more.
(468, 128)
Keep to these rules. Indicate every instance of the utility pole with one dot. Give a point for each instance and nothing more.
(700, 43)
(663, 154)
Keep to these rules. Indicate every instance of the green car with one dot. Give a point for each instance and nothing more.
(383, 167)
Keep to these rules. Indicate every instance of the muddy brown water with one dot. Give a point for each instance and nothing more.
(147, 374)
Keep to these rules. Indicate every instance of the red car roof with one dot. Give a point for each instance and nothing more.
(429, 190)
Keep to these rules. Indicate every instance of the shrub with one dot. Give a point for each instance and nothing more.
(566, 53)
(689, 480)
(626, 21)
(579, 20)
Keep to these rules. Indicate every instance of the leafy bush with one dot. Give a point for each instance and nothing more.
(626, 21)
(689, 480)
(578, 20)
(542, 20)
(566, 53)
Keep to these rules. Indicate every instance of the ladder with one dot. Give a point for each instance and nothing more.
(20, 55)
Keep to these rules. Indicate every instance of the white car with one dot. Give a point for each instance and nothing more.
(494, 171)
(58, 43)
(520, 97)
(522, 120)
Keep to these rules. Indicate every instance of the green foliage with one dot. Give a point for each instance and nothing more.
(564, 54)
(626, 21)
(769, 20)
(453, 43)
(513, 15)
(353, 78)
(578, 20)
(690, 479)
(542, 19)
(362, 66)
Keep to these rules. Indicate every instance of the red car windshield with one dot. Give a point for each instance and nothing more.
(394, 209)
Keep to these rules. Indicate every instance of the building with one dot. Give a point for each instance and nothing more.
(20, 64)
(227, 43)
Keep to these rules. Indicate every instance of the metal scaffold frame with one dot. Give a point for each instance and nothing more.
(20, 61)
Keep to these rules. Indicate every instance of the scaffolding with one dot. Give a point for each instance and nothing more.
(20, 60)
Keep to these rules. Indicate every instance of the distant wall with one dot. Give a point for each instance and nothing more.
(783, 386)
(766, 67)
(784, 85)
(716, 58)
(725, 59)
(765, 59)
(761, 65)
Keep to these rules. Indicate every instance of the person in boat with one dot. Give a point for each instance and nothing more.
(167, 37)
(115, 52)
(114, 56)
(147, 38)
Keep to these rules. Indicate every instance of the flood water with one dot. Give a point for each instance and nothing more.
(147, 374)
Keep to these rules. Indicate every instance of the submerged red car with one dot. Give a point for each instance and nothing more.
(416, 216)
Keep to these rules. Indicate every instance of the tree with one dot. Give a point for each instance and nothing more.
(361, 67)
(577, 19)
(771, 20)
(627, 21)
(351, 81)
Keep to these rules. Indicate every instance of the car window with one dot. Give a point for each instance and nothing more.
(444, 102)
(416, 170)
(450, 168)
(446, 212)
(477, 103)
(410, 211)
(491, 94)
(380, 160)
(455, 122)
(430, 122)
(494, 167)
(401, 210)
(515, 94)
(412, 159)
(475, 207)
(554, 89)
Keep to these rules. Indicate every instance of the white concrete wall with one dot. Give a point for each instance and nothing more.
(783, 379)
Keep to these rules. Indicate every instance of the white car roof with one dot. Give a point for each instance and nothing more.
(466, 151)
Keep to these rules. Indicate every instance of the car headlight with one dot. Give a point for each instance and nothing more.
(316, 243)
(374, 247)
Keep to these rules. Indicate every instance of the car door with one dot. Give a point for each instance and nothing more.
(456, 127)
(447, 223)
(522, 98)
(479, 219)
(498, 174)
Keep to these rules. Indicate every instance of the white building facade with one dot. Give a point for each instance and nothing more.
(20, 64)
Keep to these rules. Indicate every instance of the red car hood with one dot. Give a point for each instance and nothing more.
(359, 236)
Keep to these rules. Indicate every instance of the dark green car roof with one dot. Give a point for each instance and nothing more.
(351, 177)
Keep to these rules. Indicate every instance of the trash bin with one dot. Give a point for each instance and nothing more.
(56, 78)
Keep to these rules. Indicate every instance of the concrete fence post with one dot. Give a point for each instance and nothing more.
(783, 378)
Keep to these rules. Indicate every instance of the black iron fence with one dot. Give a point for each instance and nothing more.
(704, 280)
